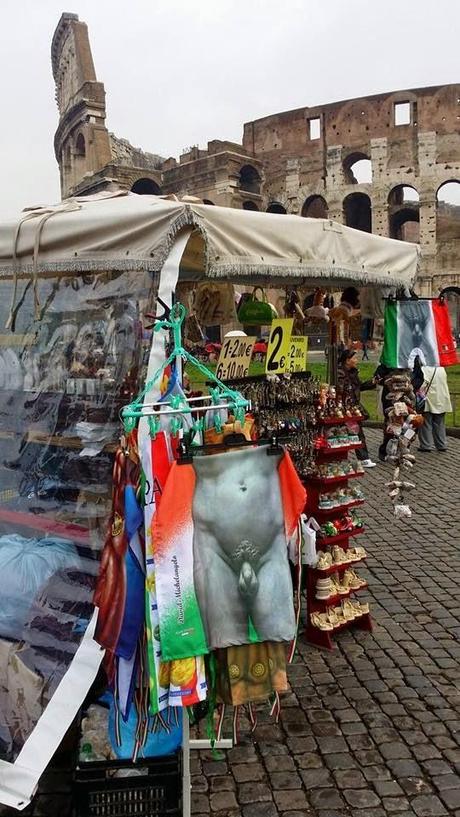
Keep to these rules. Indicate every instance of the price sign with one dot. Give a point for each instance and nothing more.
(297, 355)
(278, 346)
(234, 358)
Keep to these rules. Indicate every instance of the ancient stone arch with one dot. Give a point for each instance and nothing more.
(314, 206)
(146, 186)
(276, 207)
(249, 179)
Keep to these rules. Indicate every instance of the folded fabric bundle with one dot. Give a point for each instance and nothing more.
(25, 567)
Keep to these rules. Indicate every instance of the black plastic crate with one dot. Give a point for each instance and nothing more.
(157, 792)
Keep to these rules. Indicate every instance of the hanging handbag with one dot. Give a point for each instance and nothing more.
(256, 312)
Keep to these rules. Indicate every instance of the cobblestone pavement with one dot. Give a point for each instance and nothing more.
(372, 729)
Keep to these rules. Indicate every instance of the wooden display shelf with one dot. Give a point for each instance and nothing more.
(323, 638)
(56, 440)
(337, 509)
(336, 568)
(65, 442)
(44, 524)
(337, 449)
(339, 537)
(338, 597)
(333, 480)
(8, 435)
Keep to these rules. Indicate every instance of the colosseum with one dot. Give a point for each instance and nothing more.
(388, 163)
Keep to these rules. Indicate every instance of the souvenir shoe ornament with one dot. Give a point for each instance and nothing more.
(324, 560)
(397, 487)
(324, 589)
(355, 554)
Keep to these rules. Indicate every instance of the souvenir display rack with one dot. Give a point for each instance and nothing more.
(320, 432)
(284, 412)
(332, 582)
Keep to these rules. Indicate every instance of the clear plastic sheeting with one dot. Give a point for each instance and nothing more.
(77, 354)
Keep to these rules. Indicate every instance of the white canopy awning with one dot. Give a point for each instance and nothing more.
(127, 231)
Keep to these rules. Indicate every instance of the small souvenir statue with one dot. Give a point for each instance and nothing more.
(294, 310)
(342, 314)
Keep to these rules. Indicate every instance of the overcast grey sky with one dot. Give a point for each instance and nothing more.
(182, 72)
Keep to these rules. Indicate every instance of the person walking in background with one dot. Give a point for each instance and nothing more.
(350, 385)
(437, 403)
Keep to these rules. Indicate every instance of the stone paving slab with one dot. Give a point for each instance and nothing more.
(372, 729)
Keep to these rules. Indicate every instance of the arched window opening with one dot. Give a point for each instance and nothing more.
(405, 224)
(80, 146)
(448, 212)
(249, 205)
(404, 213)
(276, 207)
(249, 179)
(146, 187)
(314, 207)
(358, 169)
(357, 212)
(208, 201)
(403, 195)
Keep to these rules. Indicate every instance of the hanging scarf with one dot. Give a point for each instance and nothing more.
(122, 558)
(180, 682)
(120, 588)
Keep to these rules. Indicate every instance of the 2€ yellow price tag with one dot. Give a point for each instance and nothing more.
(297, 355)
(278, 346)
(234, 358)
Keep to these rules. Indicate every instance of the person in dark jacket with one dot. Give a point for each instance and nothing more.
(349, 384)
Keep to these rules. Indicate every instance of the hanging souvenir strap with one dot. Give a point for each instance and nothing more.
(296, 545)
(120, 590)
(121, 578)
(181, 627)
(180, 682)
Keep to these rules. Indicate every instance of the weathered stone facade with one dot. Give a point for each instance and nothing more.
(407, 165)
(376, 163)
(92, 159)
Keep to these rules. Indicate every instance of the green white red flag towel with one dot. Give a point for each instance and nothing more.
(418, 327)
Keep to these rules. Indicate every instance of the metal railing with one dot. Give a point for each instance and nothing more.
(455, 398)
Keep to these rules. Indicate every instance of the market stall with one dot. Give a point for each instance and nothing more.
(77, 282)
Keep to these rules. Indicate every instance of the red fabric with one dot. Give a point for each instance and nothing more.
(175, 512)
(110, 593)
(444, 335)
(161, 465)
(293, 494)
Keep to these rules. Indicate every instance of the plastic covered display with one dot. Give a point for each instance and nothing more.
(72, 356)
